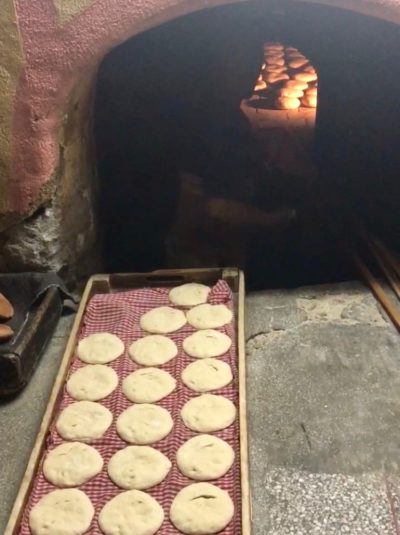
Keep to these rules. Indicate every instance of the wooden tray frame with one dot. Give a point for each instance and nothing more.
(122, 282)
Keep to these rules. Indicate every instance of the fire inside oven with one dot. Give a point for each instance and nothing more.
(217, 133)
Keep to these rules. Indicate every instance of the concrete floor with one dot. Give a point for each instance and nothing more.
(324, 413)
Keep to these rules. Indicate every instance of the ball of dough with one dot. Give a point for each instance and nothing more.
(277, 69)
(162, 320)
(148, 385)
(206, 375)
(311, 92)
(309, 68)
(62, 512)
(71, 464)
(209, 316)
(144, 424)
(153, 350)
(189, 295)
(84, 421)
(138, 467)
(289, 92)
(201, 509)
(273, 54)
(92, 382)
(275, 60)
(273, 46)
(291, 49)
(206, 343)
(205, 457)
(100, 348)
(131, 513)
(274, 78)
(260, 86)
(208, 413)
(287, 103)
(309, 101)
(295, 84)
(297, 63)
(305, 76)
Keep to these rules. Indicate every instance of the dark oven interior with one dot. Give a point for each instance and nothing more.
(196, 166)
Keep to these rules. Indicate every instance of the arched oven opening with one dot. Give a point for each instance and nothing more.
(221, 134)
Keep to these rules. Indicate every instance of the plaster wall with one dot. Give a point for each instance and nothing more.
(49, 51)
(61, 40)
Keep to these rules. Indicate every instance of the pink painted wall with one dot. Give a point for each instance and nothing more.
(58, 52)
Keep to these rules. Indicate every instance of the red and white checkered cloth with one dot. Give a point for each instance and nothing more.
(119, 314)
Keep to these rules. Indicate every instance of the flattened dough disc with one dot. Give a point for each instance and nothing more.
(206, 375)
(92, 382)
(153, 350)
(62, 512)
(144, 424)
(71, 464)
(162, 320)
(205, 457)
(208, 413)
(138, 467)
(131, 513)
(206, 343)
(100, 348)
(209, 316)
(201, 509)
(148, 385)
(189, 295)
(84, 421)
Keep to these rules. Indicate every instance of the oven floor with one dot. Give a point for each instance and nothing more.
(324, 413)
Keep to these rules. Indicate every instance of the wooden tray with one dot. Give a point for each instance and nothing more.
(121, 282)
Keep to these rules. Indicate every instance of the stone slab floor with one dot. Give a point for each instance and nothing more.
(324, 414)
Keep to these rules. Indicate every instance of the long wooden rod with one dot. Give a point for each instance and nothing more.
(392, 310)
(389, 258)
(389, 273)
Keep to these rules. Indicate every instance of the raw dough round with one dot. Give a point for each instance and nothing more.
(148, 385)
(205, 457)
(296, 63)
(206, 343)
(62, 512)
(153, 350)
(290, 92)
(100, 348)
(274, 69)
(311, 92)
(92, 382)
(138, 467)
(144, 424)
(287, 103)
(295, 84)
(273, 78)
(275, 60)
(84, 420)
(305, 76)
(189, 295)
(71, 464)
(260, 86)
(201, 509)
(309, 101)
(162, 320)
(209, 316)
(207, 374)
(208, 413)
(131, 512)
